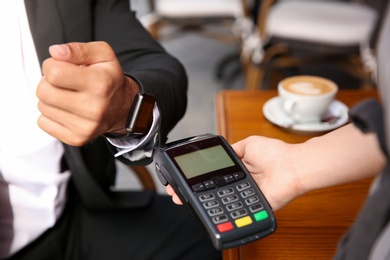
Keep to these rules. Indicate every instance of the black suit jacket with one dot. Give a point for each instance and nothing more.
(62, 21)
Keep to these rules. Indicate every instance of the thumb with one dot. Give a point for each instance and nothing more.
(82, 53)
(238, 149)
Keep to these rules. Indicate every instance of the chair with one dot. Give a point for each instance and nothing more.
(193, 15)
(221, 20)
(295, 33)
(144, 177)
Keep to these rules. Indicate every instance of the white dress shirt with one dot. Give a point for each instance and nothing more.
(29, 157)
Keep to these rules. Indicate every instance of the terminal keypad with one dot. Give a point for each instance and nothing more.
(233, 205)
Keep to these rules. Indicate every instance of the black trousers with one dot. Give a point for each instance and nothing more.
(162, 231)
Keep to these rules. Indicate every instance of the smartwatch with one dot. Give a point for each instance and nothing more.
(141, 114)
(140, 117)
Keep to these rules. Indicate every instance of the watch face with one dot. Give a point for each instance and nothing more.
(141, 114)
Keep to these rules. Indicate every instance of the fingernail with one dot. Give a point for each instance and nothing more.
(60, 49)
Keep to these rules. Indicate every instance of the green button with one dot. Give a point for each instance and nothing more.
(261, 215)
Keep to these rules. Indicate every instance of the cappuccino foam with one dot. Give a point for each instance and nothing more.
(305, 88)
(308, 85)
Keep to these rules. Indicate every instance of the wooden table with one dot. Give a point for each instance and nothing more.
(311, 226)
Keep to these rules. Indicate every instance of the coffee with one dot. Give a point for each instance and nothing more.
(306, 98)
(308, 85)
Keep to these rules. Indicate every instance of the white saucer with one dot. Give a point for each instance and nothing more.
(273, 111)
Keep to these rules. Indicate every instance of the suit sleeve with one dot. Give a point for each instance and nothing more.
(161, 74)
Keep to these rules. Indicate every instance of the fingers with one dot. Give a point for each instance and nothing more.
(78, 66)
(68, 75)
(172, 193)
(239, 149)
(66, 126)
(73, 117)
(82, 104)
(82, 53)
(61, 132)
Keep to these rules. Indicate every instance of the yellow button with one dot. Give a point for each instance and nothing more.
(243, 221)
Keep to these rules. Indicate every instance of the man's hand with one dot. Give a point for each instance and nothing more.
(173, 194)
(83, 92)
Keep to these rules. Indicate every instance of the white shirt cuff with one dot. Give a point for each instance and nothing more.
(136, 149)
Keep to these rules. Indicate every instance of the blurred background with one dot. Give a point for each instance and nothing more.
(253, 44)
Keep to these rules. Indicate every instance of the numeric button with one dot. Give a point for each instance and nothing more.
(206, 197)
(220, 219)
(239, 213)
(230, 199)
(252, 200)
(211, 204)
(247, 193)
(243, 186)
(225, 192)
(234, 206)
(216, 211)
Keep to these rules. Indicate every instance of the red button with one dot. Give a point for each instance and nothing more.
(225, 227)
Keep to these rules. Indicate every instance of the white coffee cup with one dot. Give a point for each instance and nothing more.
(306, 98)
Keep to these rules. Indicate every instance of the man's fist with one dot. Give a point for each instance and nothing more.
(83, 92)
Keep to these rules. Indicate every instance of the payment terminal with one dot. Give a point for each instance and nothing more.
(211, 180)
